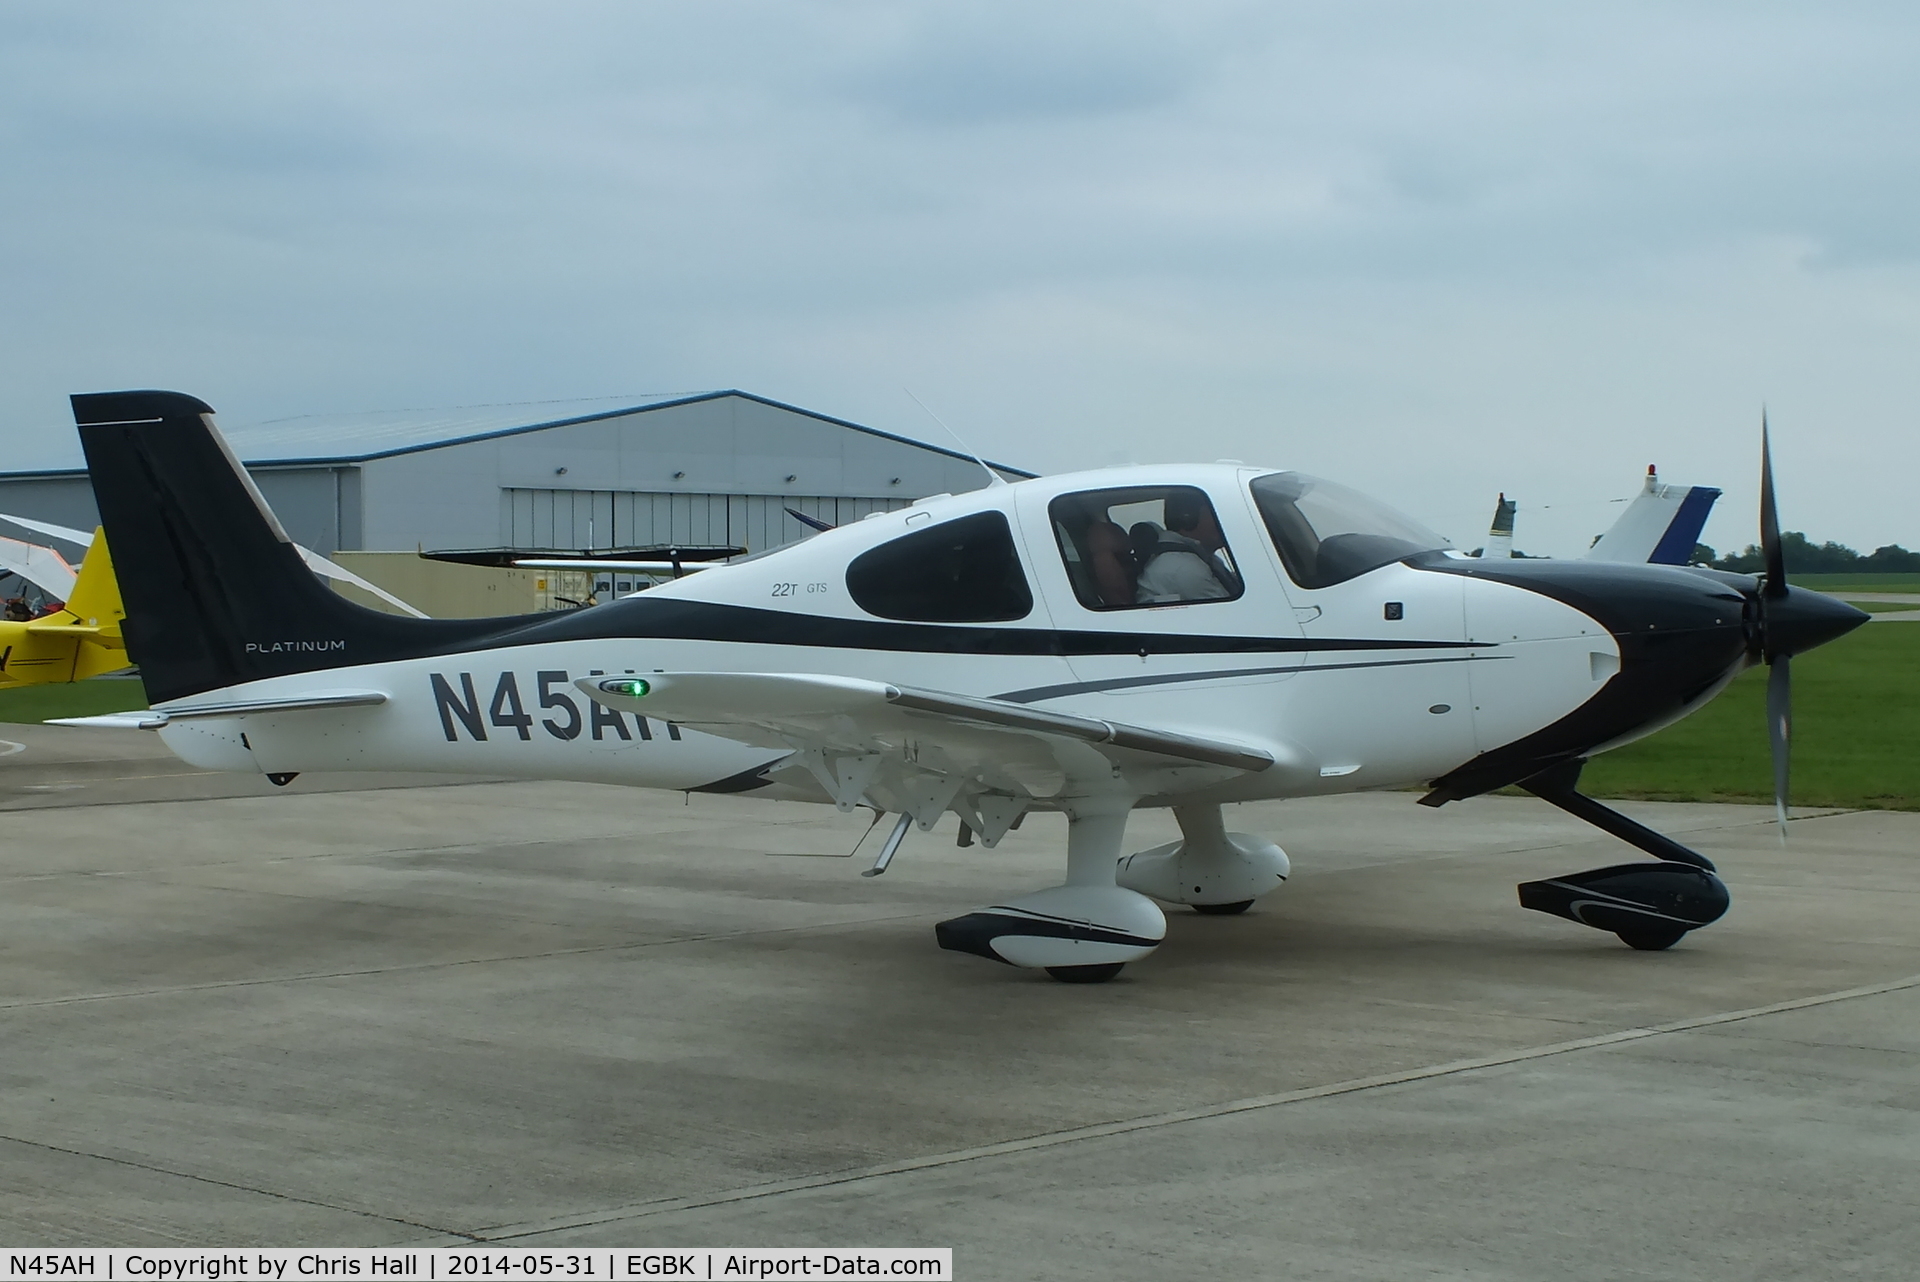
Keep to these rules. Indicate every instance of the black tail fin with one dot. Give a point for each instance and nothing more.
(215, 591)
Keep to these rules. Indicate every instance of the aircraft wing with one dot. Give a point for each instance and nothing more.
(66, 532)
(43, 567)
(922, 752)
(328, 570)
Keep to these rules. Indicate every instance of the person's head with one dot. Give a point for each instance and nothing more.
(1189, 513)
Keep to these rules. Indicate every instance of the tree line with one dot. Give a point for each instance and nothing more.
(1804, 556)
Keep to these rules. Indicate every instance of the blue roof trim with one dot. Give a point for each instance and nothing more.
(603, 415)
(329, 460)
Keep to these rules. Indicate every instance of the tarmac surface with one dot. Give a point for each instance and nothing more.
(570, 1015)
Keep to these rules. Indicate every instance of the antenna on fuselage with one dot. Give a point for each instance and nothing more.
(993, 477)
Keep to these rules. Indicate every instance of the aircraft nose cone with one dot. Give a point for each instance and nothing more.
(1803, 619)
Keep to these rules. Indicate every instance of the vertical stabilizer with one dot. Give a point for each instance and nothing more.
(1500, 535)
(216, 594)
(1662, 525)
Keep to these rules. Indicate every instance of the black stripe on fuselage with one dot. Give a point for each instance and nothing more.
(636, 618)
(1039, 694)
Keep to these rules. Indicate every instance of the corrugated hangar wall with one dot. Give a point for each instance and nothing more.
(620, 518)
(717, 469)
(316, 504)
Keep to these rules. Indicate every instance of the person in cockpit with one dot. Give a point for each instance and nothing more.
(1182, 562)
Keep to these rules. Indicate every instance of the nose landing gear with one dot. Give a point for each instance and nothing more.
(1650, 906)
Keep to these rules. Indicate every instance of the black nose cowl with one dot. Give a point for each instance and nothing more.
(1682, 634)
(1801, 619)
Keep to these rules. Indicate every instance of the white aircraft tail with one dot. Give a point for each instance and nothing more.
(1661, 526)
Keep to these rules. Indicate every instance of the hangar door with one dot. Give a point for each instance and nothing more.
(588, 519)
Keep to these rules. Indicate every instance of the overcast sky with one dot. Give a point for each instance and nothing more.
(1435, 251)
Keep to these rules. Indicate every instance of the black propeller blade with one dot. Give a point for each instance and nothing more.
(1790, 620)
(1779, 676)
(1770, 546)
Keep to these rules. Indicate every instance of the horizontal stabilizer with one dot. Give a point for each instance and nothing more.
(82, 631)
(153, 719)
(114, 721)
(254, 707)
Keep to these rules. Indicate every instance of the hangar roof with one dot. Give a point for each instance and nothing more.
(321, 439)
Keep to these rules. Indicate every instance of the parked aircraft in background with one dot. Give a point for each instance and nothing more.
(1499, 545)
(320, 565)
(1177, 636)
(1661, 526)
(79, 639)
(36, 566)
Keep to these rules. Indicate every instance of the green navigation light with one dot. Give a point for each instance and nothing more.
(632, 687)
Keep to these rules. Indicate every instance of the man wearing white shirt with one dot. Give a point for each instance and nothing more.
(1183, 564)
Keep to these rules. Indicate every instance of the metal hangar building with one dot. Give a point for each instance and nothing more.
(713, 469)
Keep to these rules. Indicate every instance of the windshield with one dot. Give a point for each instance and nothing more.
(1326, 533)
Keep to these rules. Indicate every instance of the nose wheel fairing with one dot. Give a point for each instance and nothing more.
(1649, 905)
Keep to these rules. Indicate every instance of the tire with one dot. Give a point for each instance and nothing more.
(1086, 974)
(1652, 939)
(1223, 910)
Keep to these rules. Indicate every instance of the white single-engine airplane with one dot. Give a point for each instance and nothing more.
(1177, 636)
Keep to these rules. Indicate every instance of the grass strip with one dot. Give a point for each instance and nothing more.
(1856, 734)
(75, 699)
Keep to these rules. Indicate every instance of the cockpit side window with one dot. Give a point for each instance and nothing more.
(960, 571)
(1143, 545)
(1326, 533)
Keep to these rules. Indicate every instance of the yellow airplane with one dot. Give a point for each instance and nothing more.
(78, 641)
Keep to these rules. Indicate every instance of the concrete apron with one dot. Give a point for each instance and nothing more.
(573, 1014)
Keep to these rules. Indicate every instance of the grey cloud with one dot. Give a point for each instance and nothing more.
(1324, 235)
(1000, 63)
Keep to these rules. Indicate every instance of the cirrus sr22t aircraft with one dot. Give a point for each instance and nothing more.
(1182, 636)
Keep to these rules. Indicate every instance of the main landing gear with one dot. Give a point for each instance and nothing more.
(1105, 916)
(1650, 906)
(1082, 932)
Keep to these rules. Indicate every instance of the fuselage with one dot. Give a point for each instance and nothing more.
(1423, 666)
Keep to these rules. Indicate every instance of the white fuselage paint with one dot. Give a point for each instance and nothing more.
(1337, 719)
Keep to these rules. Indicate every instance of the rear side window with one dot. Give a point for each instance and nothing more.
(963, 571)
(1143, 545)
